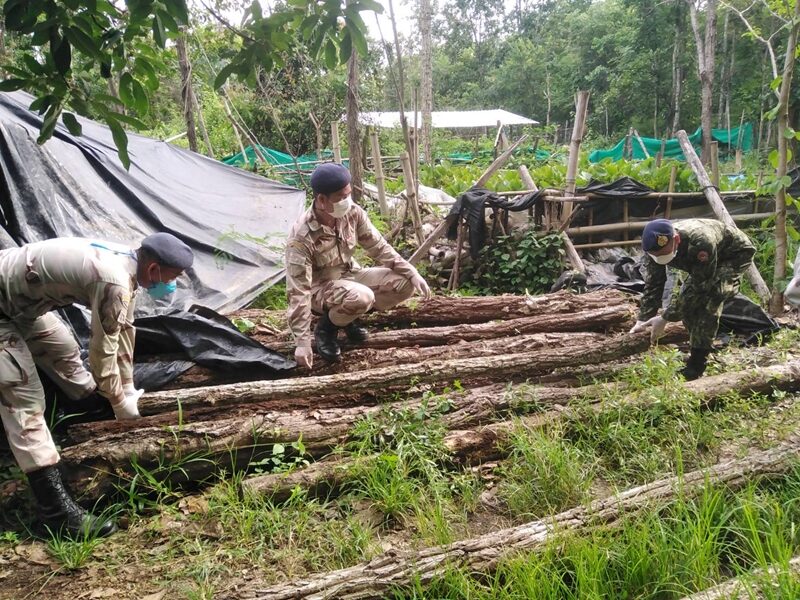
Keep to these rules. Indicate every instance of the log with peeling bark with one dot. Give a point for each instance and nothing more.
(360, 359)
(616, 317)
(400, 377)
(474, 446)
(397, 569)
(741, 588)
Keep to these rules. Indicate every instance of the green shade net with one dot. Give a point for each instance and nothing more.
(740, 138)
(275, 158)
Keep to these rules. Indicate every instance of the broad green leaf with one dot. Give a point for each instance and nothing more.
(143, 67)
(359, 41)
(120, 140)
(789, 133)
(367, 5)
(126, 91)
(331, 56)
(83, 42)
(62, 56)
(346, 47)
(785, 181)
(159, 35)
(776, 83)
(140, 99)
(773, 159)
(49, 123)
(11, 85)
(179, 11)
(223, 75)
(129, 120)
(71, 123)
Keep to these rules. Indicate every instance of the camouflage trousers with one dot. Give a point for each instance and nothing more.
(348, 298)
(46, 343)
(701, 306)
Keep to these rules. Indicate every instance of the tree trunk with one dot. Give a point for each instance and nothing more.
(353, 129)
(603, 319)
(740, 588)
(426, 77)
(776, 302)
(187, 95)
(706, 50)
(475, 446)
(394, 569)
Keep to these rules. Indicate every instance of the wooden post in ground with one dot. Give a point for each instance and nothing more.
(581, 108)
(337, 149)
(715, 164)
(641, 143)
(714, 199)
(673, 175)
(627, 149)
(660, 155)
(411, 196)
(377, 166)
(529, 184)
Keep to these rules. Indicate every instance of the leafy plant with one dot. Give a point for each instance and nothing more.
(531, 263)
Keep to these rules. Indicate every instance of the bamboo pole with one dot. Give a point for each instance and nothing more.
(411, 196)
(610, 244)
(378, 168)
(637, 226)
(529, 183)
(660, 155)
(581, 108)
(641, 143)
(337, 148)
(455, 273)
(498, 163)
(719, 209)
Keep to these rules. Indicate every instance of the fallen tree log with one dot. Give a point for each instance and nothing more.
(361, 359)
(394, 569)
(743, 587)
(401, 377)
(608, 318)
(474, 446)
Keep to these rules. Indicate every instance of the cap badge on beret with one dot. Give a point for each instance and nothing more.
(662, 240)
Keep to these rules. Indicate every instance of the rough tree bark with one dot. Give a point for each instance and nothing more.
(187, 95)
(706, 53)
(741, 588)
(474, 446)
(394, 569)
(353, 129)
(426, 77)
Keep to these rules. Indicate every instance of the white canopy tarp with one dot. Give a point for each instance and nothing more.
(448, 119)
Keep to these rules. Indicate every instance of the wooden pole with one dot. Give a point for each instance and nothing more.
(627, 149)
(377, 166)
(581, 108)
(637, 226)
(714, 148)
(529, 183)
(660, 155)
(641, 143)
(455, 273)
(714, 199)
(673, 175)
(337, 149)
(498, 163)
(411, 196)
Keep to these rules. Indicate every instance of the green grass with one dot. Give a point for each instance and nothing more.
(273, 298)
(688, 546)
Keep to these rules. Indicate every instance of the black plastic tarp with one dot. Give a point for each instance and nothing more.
(76, 186)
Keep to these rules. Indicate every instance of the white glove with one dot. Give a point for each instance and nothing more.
(658, 325)
(129, 407)
(304, 356)
(421, 286)
(792, 293)
(640, 326)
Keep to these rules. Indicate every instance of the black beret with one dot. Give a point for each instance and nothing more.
(168, 250)
(329, 177)
(657, 234)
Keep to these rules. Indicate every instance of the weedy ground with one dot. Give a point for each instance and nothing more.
(406, 493)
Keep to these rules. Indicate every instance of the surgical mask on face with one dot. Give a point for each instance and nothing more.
(664, 259)
(341, 208)
(159, 289)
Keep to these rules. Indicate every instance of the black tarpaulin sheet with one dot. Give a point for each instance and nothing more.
(76, 186)
(471, 206)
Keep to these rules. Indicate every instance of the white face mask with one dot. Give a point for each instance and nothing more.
(664, 259)
(342, 207)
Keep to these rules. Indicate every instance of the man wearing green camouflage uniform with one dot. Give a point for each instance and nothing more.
(38, 278)
(715, 256)
(323, 276)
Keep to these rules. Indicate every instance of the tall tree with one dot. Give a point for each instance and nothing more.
(706, 54)
(426, 75)
(187, 94)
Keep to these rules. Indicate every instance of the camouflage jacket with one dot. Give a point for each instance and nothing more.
(709, 251)
(316, 253)
(38, 277)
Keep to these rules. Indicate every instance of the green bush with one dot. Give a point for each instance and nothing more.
(510, 265)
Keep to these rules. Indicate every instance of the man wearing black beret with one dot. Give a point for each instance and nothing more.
(715, 256)
(104, 277)
(321, 273)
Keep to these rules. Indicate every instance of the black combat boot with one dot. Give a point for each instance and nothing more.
(325, 337)
(696, 363)
(356, 333)
(58, 512)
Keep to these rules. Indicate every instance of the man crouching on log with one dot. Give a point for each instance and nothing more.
(715, 256)
(34, 280)
(321, 274)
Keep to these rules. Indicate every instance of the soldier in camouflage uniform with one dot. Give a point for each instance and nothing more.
(715, 256)
(34, 280)
(323, 276)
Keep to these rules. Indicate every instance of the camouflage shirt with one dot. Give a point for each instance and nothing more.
(316, 253)
(39, 277)
(709, 251)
